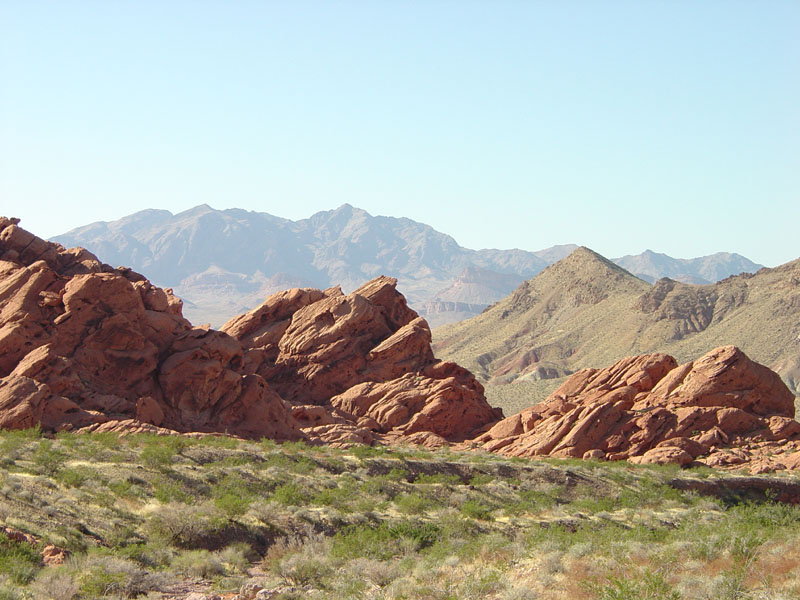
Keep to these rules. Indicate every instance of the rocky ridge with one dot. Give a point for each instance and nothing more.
(88, 346)
(585, 310)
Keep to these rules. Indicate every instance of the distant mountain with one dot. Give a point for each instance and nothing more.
(652, 266)
(586, 311)
(224, 262)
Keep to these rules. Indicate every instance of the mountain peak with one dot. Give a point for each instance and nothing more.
(196, 211)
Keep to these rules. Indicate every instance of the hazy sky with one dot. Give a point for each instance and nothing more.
(622, 126)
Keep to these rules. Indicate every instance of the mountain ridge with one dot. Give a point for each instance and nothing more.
(222, 262)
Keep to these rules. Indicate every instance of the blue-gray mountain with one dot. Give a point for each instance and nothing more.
(223, 262)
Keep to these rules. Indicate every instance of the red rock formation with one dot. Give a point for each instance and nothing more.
(84, 344)
(365, 358)
(87, 346)
(647, 409)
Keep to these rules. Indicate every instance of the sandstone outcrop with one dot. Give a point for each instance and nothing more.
(365, 359)
(721, 409)
(87, 346)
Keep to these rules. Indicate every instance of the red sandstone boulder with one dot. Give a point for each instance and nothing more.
(647, 409)
(84, 344)
(363, 358)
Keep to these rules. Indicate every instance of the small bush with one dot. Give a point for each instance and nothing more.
(474, 509)
(54, 584)
(198, 563)
(48, 459)
(412, 504)
(289, 494)
(19, 560)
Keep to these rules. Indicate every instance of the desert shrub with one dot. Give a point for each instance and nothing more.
(19, 560)
(159, 451)
(475, 509)
(377, 572)
(384, 541)
(289, 494)
(302, 569)
(646, 586)
(412, 504)
(55, 584)
(219, 441)
(480, 479)
(13, 440)
(101, 576)
(237, 556)
(186, 526)
(166, 491)
(233, 495)
(74, 477)
(362, 451)
(442, 478)
(198, 563)
(48, 459)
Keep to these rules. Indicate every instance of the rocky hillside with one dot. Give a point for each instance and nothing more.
(225, 262)
(585, 311)
(86, 346)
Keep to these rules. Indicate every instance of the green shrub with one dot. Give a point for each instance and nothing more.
(166, 491)
(475, 509)
(412, 504)
(384, 541)
(289, 494)
(13, 440)
(48, 459)
(19, 560)
(74, 477)
(159, 451)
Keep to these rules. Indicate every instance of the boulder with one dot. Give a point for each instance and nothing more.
(648, 409)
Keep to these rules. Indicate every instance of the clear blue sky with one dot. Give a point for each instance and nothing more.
(622, 126)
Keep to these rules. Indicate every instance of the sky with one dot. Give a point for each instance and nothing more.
(619, 125)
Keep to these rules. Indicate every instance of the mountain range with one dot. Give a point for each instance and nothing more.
(587, 311)
(224, 262)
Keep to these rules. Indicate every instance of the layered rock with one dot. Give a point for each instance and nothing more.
(84, 344)
(88, 346)
(720, 409)
(365, 358)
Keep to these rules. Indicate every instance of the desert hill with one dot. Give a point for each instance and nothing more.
(225, 262)
(585, 311)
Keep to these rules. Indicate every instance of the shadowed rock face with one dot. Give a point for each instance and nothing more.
(87, 346)
(648, 409)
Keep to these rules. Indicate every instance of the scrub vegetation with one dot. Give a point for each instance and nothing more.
(159, 517)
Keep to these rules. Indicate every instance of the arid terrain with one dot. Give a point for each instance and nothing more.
(315, 446)
(203, 518)
(585, 311)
